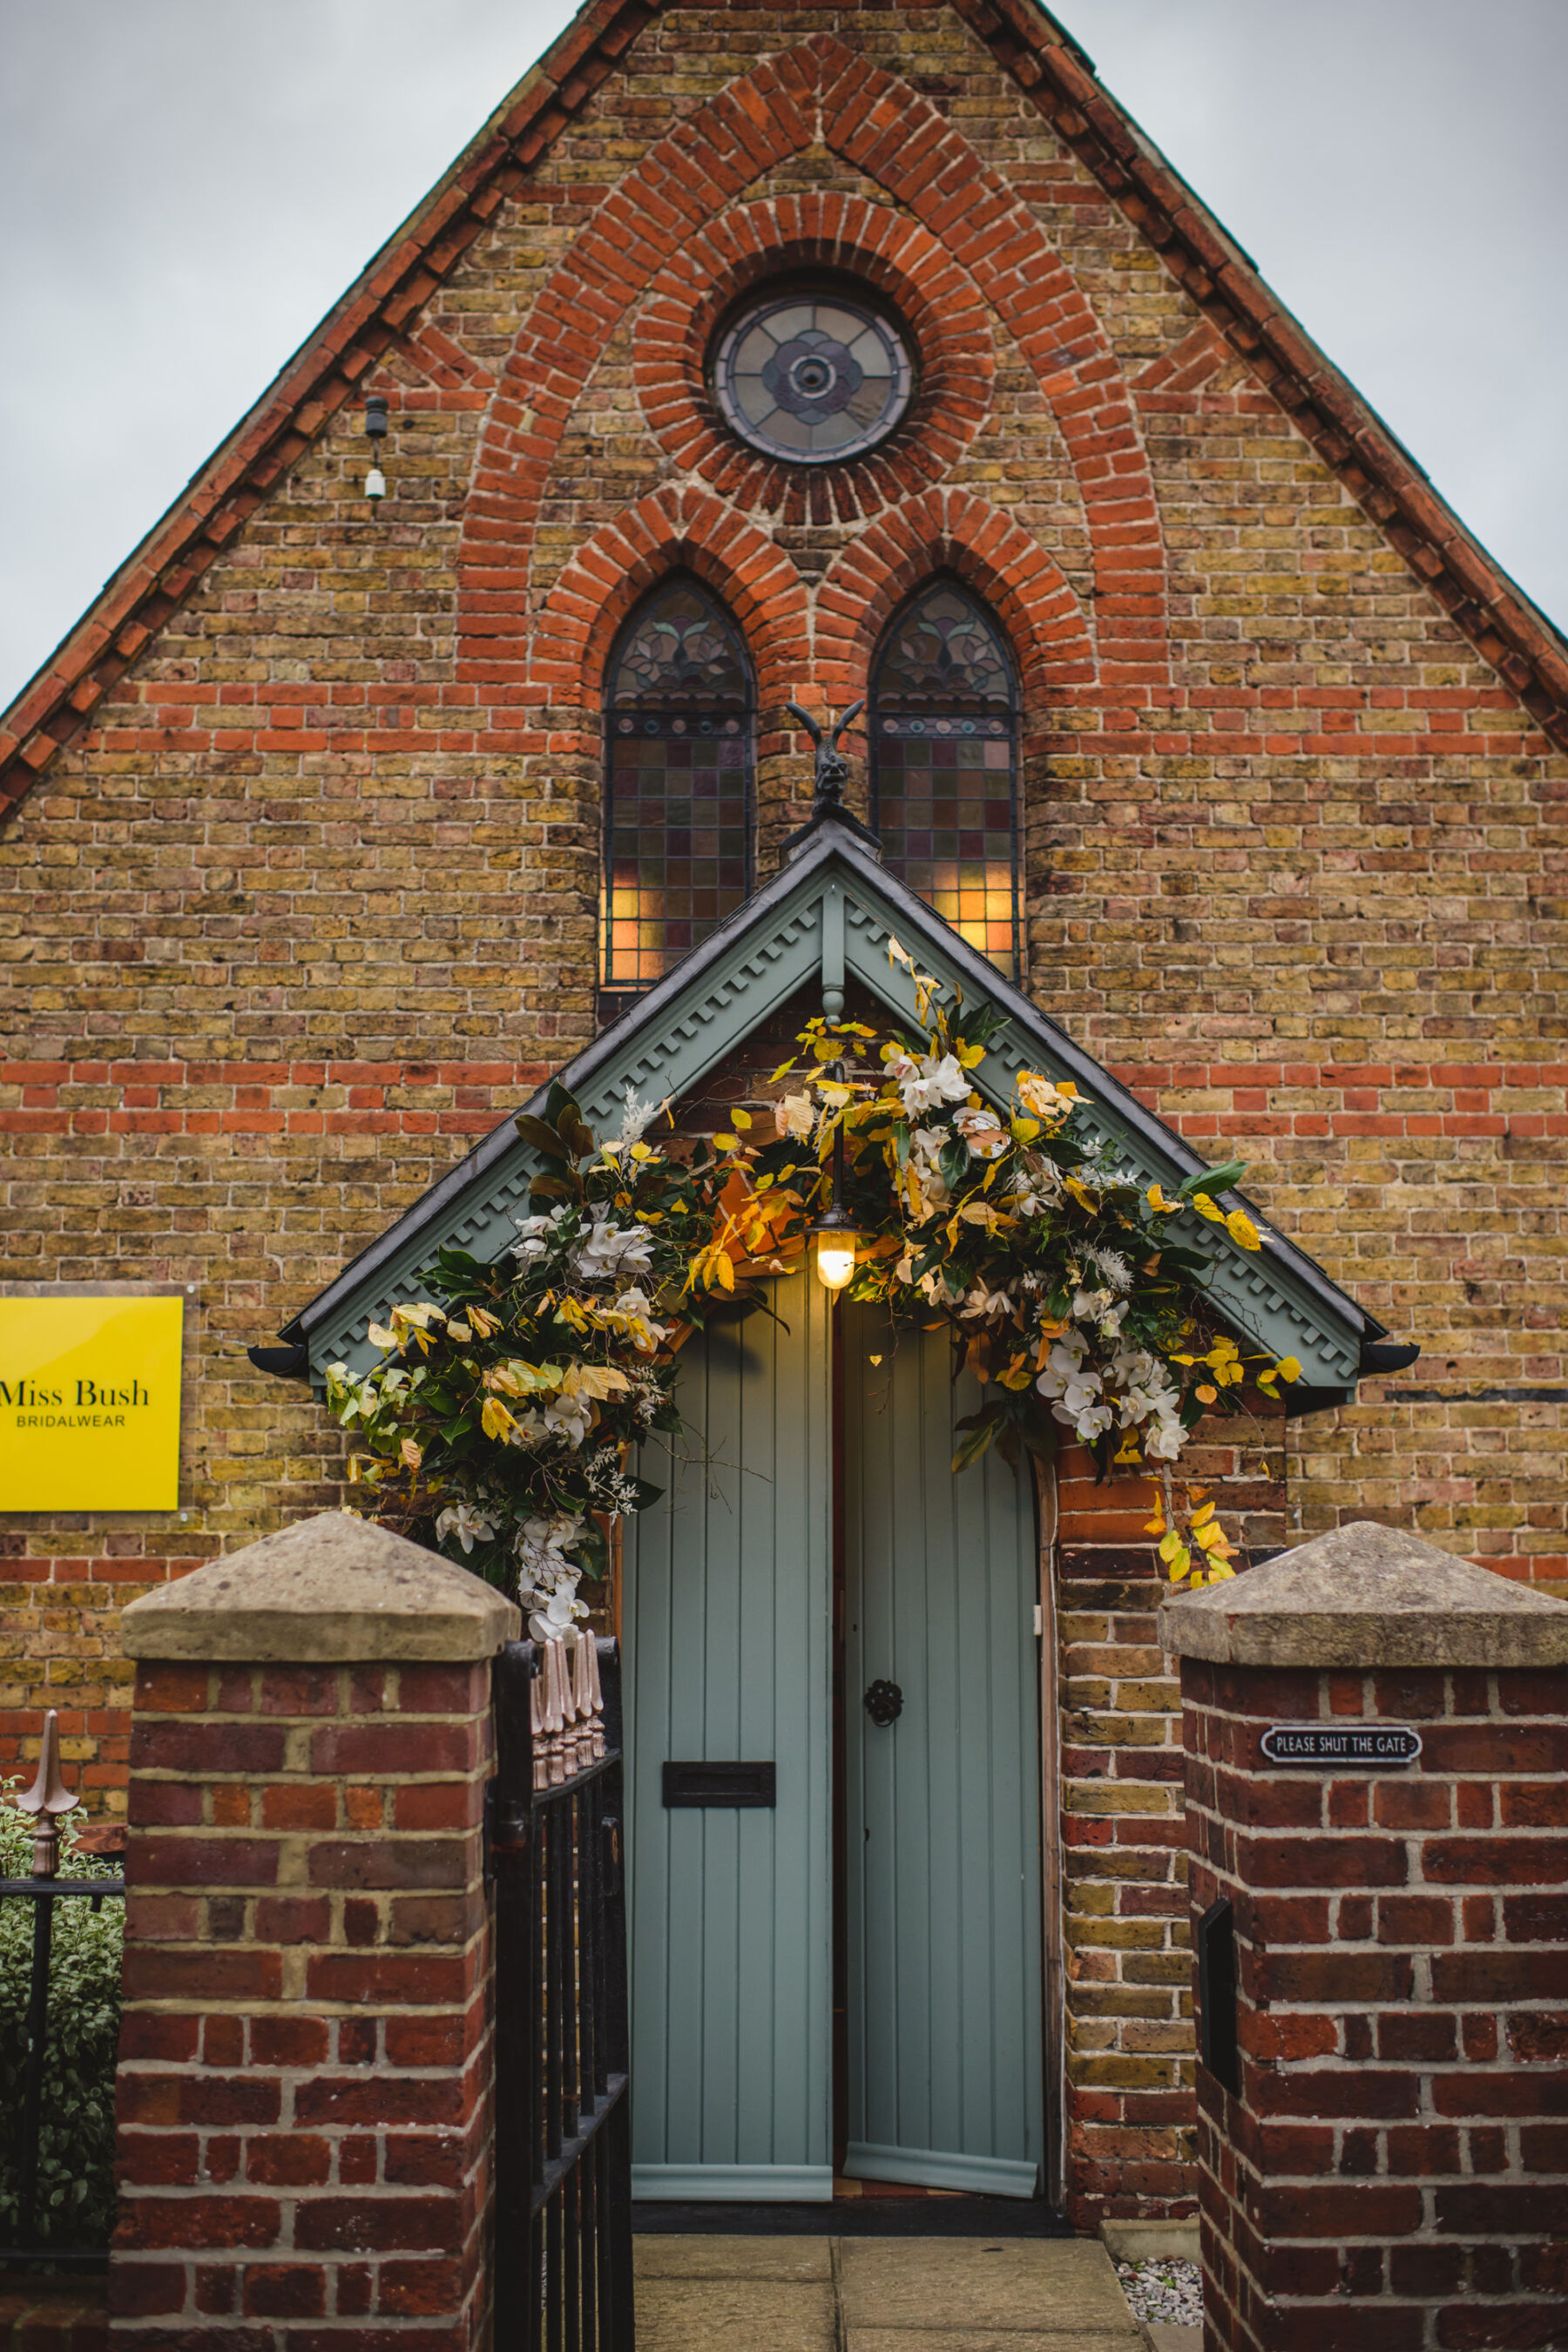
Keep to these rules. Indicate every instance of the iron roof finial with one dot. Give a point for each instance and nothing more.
(831, 774)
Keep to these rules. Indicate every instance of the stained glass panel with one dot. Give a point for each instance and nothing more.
(810, 377)
(943, 726)
(678, 774)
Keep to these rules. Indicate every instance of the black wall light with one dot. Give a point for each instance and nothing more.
(375, 426)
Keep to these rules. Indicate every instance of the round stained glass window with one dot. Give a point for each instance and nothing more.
(810, 378)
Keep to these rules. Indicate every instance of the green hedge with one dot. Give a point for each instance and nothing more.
(76, 2171)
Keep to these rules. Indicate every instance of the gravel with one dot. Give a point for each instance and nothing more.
(1168, 2291)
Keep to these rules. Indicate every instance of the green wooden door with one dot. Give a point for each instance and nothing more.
(942, 1849)
(726, 1623)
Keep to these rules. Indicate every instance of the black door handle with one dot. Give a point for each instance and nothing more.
(884, 1702)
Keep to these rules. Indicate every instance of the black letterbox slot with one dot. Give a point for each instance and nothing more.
(719, 1784)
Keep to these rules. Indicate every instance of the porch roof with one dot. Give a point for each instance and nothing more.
(828, 915)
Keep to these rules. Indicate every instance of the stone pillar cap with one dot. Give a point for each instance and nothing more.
(1365, 1595)
(332, 1588)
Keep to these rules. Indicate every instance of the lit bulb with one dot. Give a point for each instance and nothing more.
(375, 483)
(835, 1260)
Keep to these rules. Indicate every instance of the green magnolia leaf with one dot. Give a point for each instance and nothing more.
(1213, 1179)
(646, 1493)
(458, 1264)
(556, 1188)
(981, 1428)
(952, 1159)
(544, 1138)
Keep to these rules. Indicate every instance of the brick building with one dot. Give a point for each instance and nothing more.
(309, 877)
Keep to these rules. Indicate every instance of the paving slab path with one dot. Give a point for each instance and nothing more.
(879, 2294)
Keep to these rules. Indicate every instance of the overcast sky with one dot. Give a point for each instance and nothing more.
(188, 184)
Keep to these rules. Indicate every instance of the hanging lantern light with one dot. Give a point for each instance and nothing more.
(375, 425)
(834, 1232)
(836, 1240)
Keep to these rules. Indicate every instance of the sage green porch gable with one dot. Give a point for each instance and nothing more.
(827, 918)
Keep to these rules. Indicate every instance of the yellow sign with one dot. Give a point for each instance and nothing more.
(90, 1403)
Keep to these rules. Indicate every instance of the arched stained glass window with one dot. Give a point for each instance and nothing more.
(944, 714)
(678, 772)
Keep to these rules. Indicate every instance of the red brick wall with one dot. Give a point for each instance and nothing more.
(1392, 2173)
(1131, 2110)
(305, 2062)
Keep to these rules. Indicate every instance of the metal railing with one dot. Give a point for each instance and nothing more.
(557, 1845)
(22, 2123)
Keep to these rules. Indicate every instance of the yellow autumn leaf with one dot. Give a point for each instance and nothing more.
(1171, 1545)
(1156, 1200)
(1208, 1537)
(380, 1337)
(1288, 1368)
(593, 1381)
(495, 1420)
(1181, 1564)
(1202, 1516)
(1206, 1208)
(1205, 1395)
(1156, 1526)
(483, 1321)
(1242, 1230)
(726, 1272)
(742, 1118)
(410, 1454)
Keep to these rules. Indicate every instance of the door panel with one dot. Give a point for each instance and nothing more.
(726, 1619)
(942, 1860)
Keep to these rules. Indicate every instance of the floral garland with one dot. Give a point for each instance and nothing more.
(500, 1423)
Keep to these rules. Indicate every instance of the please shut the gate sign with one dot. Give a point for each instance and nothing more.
(90, 1403)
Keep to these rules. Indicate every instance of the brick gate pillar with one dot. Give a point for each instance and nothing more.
(1389, 2167)
(305, 2128)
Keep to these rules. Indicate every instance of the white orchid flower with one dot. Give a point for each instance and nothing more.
(469, 1526)
(536, 1235)
(925, 1085)
(609, 1250)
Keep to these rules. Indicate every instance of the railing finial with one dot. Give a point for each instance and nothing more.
(48, 1799)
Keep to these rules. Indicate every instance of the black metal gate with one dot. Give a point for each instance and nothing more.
(564, 2218)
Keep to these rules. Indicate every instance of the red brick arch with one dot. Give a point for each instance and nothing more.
(689, 529)
(822, 90)
(938, 301)
(953, 531)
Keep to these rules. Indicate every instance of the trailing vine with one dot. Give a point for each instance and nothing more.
(501, 1424)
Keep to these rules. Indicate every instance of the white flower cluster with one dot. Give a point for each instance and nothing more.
(537, 1236)
(926, 1084)
(566, 1418)
(1134, 1390)
(605, 1253)
(614, 1489)
(547, 1579)
(609, 1251)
